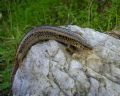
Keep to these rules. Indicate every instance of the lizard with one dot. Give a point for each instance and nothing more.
(41, 33)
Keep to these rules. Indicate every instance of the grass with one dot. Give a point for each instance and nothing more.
(18, 16)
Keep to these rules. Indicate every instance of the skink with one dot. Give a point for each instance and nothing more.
(42, 33)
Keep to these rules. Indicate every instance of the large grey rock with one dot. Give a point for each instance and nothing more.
(50, 70)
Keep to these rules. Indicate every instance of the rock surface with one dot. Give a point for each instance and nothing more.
(50, 70)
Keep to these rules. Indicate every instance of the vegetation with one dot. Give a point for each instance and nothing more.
(18, 16)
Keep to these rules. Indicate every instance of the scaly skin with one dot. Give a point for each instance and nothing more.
(42, 33)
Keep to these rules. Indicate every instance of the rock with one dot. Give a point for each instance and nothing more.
(94, 88)
(49, 69)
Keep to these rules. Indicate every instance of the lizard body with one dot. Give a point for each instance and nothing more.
(42, 33)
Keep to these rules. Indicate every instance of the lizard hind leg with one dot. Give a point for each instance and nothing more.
(74, 52)
(71, 49)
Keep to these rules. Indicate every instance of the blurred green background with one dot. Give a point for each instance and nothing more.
(18, 16)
